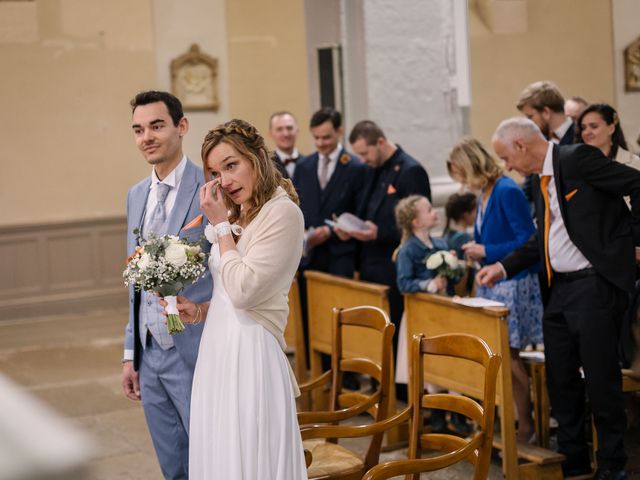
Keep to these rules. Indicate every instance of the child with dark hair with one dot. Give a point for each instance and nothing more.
(460, 211)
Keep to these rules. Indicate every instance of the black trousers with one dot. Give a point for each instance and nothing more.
(581, 329)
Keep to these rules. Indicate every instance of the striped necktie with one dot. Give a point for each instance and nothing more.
(157, 222)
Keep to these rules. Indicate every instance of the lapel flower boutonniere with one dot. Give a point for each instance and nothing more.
(391, 190)
(344, 159)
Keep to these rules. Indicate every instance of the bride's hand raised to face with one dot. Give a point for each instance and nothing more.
(212, 202)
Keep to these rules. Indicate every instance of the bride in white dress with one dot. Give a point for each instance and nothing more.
(243, 414)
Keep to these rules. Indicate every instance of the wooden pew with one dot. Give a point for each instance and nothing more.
(435, 315)
(325, 291)
(294, 336)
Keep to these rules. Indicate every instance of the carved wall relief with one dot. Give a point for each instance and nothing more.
(194, 80)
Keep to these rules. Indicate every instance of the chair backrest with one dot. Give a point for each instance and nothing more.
(344, 404)
(477, 448)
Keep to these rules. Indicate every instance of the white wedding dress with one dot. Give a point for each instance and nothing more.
(243, 414)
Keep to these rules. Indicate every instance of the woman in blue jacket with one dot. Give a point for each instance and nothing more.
(503, 223)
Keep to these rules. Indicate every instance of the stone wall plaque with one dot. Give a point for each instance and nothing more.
(194, 80)
(632, 67)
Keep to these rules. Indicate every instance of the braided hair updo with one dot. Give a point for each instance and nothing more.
(248, 142)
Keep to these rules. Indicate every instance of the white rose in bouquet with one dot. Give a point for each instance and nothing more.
(434, 261)
(445, 264)
(450, 259)
(176, 254)
(143, 261)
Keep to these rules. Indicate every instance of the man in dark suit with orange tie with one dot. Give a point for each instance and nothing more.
(587, 240)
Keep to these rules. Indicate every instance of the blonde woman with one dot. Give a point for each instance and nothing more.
(503, 223)
(243, 413)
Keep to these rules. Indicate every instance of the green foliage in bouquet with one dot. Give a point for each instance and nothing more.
(165, 265)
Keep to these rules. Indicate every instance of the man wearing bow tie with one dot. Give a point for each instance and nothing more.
(283, 130)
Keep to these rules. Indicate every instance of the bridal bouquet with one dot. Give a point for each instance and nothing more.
(165, 265)
(445, 264)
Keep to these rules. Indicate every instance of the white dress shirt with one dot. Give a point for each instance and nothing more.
(291, 166)
(173, 180)
(333, 161)
(563, 253)
(562, 130)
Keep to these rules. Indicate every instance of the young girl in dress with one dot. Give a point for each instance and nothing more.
(416, 217)
(243, 413)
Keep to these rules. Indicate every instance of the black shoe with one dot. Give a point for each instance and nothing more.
(350, 381)
(437, 422)
(610, 474)
(575, 471)
(459, 425)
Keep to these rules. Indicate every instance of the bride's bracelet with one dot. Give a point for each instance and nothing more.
(214, 232)
(198, 317)
(221, 229)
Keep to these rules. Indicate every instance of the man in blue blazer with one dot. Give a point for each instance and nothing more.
(158, 368)
(585, 241)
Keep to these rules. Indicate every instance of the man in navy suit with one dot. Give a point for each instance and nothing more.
(585, 240)
(158, 368)
(328, 183)
(283, 129)
(393, 175)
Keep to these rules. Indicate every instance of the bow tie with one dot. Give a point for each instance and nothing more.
(290, 160)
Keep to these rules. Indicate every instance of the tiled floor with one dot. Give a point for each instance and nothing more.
(73, 364)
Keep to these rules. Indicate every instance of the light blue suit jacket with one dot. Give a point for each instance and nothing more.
(185, 209)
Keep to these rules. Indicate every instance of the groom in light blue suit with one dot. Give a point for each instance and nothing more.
(157, 367)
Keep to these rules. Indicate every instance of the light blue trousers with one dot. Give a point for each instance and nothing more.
(165, 388)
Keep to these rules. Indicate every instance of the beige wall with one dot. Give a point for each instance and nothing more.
(625, 21)
(177, 25)
(267, 62)
(566, 41)
(69, 68)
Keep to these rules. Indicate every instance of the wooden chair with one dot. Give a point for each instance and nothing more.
(477, 448)
(328, 459)
(325, 291)
(440, 315)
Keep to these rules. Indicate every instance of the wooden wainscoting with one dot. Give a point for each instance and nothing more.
(66, 267)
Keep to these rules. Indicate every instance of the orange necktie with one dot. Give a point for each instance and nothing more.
(544, 187)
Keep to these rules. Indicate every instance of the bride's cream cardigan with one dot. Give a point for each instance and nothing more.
(258, 275)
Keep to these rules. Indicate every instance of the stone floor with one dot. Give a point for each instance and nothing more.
(72, 363)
